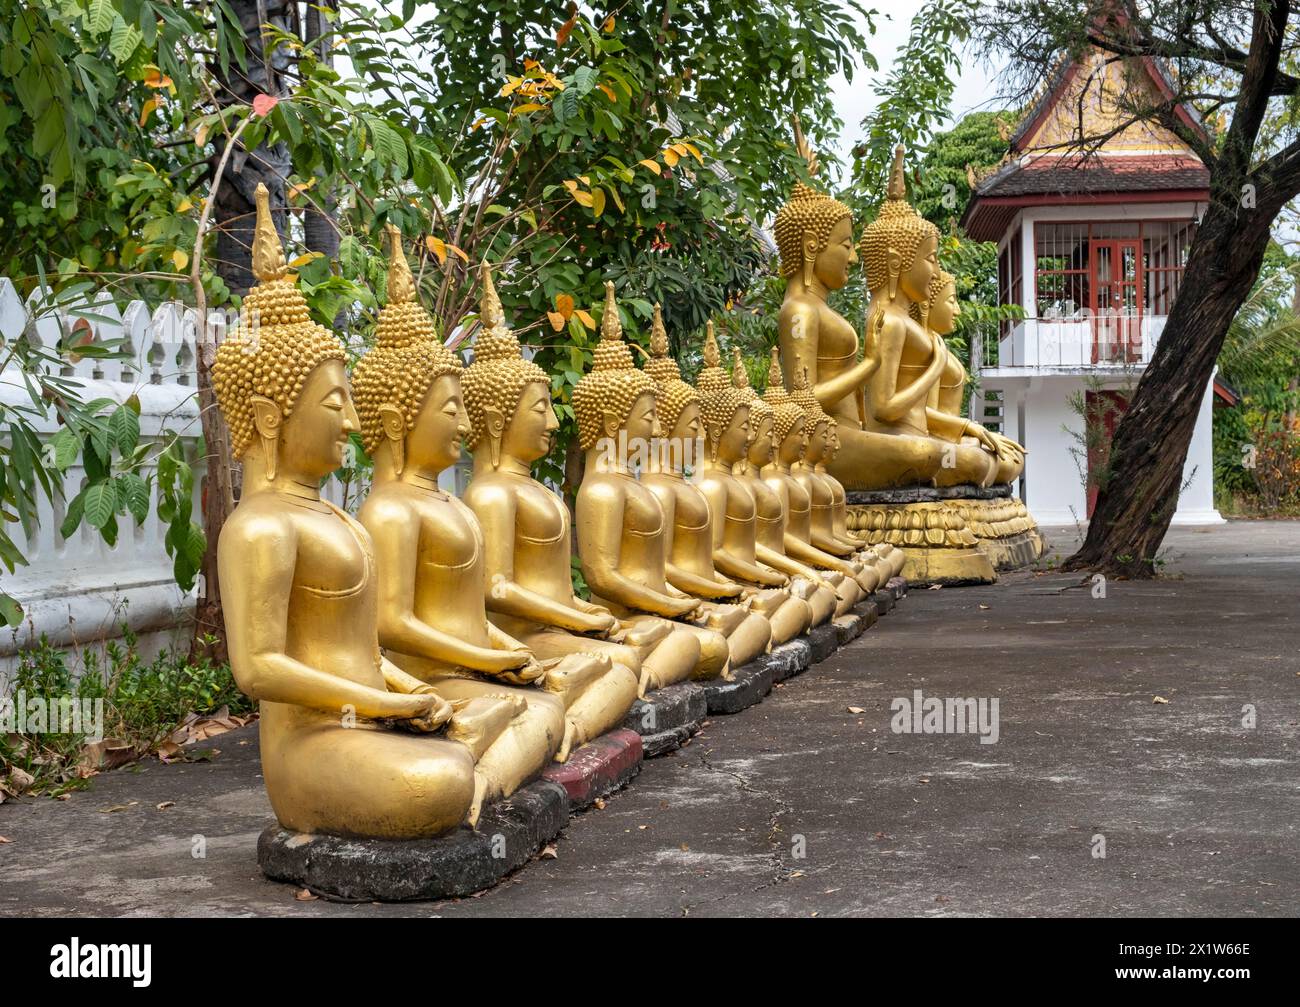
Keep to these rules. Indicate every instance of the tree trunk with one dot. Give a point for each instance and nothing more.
(320, 231)
(233, 218)
(1150, 445)
(234, 210)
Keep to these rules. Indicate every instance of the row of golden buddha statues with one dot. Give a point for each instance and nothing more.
(429, 656)
(897, 397)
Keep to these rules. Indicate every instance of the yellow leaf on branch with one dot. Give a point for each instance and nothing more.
(609, 92)
(526, 107)
(556, 319)
(670, 156)
(585, 318)
(598, 201)
(147, 110)
(438, 247)
(305, 258)
(564, 305)
(583, 198)
(180, 259)
(652, 165)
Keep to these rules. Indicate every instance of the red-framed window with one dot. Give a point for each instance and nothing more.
(1074, 261)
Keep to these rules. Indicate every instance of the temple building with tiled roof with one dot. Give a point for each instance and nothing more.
(1093, 212)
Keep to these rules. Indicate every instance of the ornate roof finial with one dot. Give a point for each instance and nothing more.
(401, 285)
(268, 251)
(897, 188)
(610, 325)
(658, 334)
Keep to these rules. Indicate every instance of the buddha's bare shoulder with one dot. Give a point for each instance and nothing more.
(490, 491)
(800, 306)
(261, 520)
(599, 488)
(388, 502)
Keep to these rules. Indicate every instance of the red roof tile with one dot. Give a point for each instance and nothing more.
(1073, 175)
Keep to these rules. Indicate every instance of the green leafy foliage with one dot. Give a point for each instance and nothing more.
(143, 701)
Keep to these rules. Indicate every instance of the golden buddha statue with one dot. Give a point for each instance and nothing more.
(899, 255)
(790, 437)
(814, 237)
(689, 519)
(725, 411)
(977, 447)
(974, 454)
(621, 524)
(526, 531)
(770, 515)
(820, 428)
(432, 621)
(301, 594)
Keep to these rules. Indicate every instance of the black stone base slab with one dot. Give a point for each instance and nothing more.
(867, 613)
(897, 587)
(509, 834)
(749, 685)
(848, 628)
(666, 718)
(793, 657)
(928, 494)
(823, 641)
(884, 599)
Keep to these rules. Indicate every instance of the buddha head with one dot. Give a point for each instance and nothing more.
(407, 386)
(508, 397)
(677, 402)
(899, 247)
(814, 231)
(279, 377)
(944, 309)
(760, 413)
(724, 407)
(789, 425)
(614, 395)
(816, 421)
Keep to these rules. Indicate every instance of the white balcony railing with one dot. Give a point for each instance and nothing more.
(1084, 342)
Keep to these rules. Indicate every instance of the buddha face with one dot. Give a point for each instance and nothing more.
(817, 441)
(831, 267)
(433, 443)
(915, 281)
(945, 310)
(529, 433)
(311, 443)
(687, 427)
(793, 444)
(734, 441)
(642, 424)
(760, 444)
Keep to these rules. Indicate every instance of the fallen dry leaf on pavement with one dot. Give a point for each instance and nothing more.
(5, 839)
(119, 807)
(305, 895)
(549, 853)
(166, 804)
(857, 709)
(1160, 699)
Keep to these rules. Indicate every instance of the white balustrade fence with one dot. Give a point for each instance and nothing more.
(81, 590)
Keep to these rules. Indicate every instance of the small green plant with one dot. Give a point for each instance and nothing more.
(142, 703)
